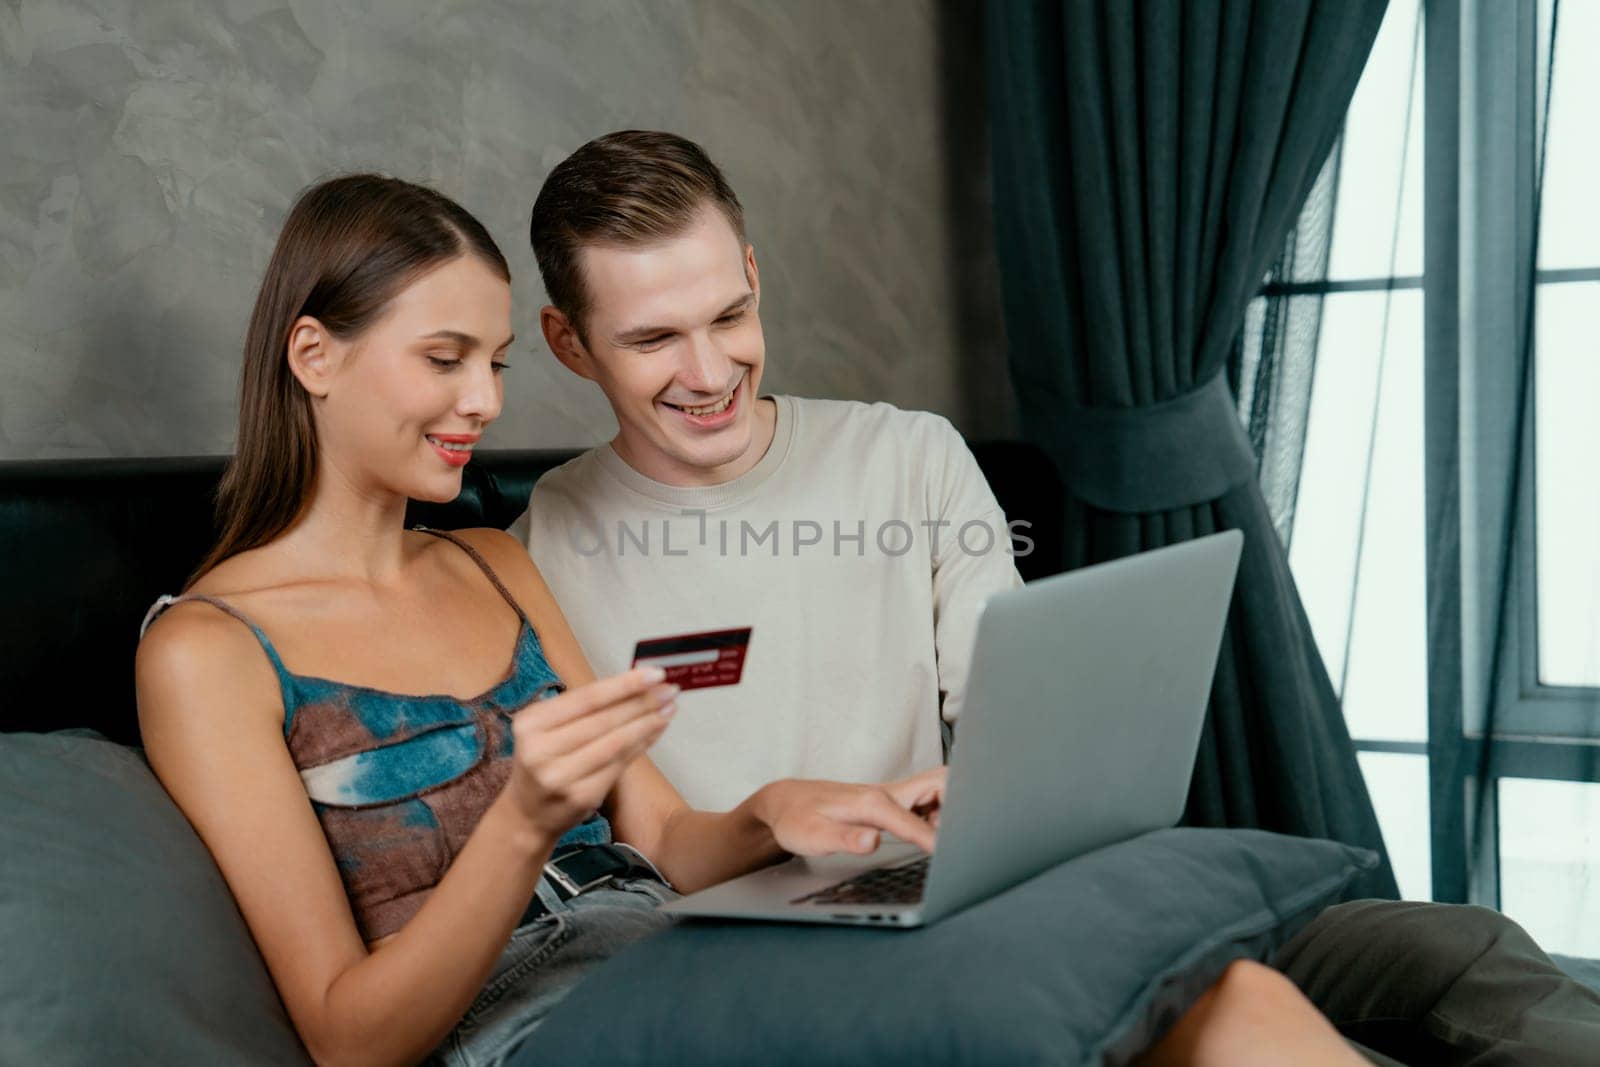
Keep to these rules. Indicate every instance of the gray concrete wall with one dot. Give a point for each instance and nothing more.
(150, 148)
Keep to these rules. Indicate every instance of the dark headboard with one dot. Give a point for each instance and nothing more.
(87, 545)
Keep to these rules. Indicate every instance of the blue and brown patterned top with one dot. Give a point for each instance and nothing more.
(397, 781)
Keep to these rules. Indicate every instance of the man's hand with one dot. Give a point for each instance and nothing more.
(817, 818)
(922, 794)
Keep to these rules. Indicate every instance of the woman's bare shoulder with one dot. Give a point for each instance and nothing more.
(509, 560)
(193, 630)
(197, 652)
(496, 545)
(507, 556)
(197, 646)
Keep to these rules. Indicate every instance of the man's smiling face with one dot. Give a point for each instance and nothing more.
(673, 338)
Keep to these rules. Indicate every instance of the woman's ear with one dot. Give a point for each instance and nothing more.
(564, 342)
(310, 355)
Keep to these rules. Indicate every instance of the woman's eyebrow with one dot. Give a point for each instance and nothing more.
(464, 339)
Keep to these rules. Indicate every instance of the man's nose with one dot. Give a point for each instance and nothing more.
(705, 367)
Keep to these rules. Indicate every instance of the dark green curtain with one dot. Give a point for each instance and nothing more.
(1149, 157)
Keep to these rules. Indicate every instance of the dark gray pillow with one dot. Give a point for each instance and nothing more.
(120, 940)
(1084, 964)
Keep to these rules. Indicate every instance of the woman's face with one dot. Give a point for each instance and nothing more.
(408, 398)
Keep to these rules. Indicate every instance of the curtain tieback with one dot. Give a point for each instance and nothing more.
(1188, 450)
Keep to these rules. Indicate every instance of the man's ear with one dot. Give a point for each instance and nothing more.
(564, 342)
(751, 274)
(311, 356)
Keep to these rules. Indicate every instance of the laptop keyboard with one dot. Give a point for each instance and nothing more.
(881, 885)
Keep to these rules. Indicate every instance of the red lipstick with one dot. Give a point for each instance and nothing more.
(458, 456)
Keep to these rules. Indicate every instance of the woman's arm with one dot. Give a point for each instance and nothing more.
(693, 848)
(212, 720)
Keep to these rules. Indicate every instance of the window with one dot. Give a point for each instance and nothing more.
(1425, 393)
(1566, 505)
(1543, 734)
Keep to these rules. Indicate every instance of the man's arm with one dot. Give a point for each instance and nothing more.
(972, 557)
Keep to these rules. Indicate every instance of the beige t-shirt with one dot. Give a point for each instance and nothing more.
(858, 549)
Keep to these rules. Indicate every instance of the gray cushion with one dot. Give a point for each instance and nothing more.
(121, 943)
(1084, 964)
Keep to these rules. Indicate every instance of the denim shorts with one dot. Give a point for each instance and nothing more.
(544, 960)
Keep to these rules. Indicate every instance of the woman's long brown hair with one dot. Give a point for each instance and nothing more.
(347, 248)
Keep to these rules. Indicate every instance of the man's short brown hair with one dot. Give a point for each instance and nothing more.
(626, 188)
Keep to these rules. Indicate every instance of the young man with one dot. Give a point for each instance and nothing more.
(857, 541)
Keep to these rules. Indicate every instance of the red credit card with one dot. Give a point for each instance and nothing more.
(696, 661)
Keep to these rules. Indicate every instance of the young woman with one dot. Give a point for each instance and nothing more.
(390, 740)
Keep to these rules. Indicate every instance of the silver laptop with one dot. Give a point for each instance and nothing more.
(1085, 700)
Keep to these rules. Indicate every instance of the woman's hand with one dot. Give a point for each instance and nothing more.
(815, 818)
(570, 749)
